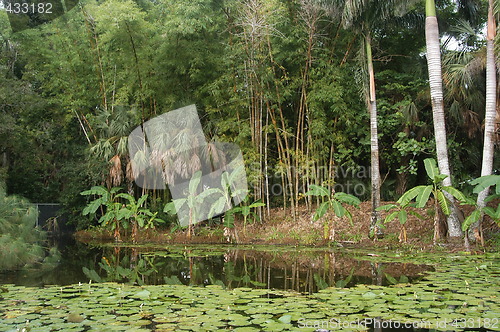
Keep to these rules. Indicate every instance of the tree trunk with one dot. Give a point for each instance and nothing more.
(375, 169)
(490, 115)
(436, 88)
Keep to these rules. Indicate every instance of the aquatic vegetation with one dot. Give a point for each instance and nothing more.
(461, 293)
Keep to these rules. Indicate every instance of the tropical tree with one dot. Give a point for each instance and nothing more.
(436, 89)
(490, 115)
(365, 16)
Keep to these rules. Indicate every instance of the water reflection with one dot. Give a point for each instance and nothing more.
(303, 270)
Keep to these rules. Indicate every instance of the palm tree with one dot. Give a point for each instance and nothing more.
(111, 135)
(365, 16)
(436, 88)
(490, 114)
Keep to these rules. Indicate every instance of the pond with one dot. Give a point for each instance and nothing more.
(210, 288)
(299, 269)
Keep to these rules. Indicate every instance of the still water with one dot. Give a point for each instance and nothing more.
(306, 270)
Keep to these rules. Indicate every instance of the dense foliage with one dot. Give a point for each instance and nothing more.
(283, 79)
(20, 241)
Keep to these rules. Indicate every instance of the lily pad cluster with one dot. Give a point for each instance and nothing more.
(461, 294)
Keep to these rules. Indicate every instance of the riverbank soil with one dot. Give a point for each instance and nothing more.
(281, 229)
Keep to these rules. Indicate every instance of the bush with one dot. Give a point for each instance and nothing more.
(20, 240)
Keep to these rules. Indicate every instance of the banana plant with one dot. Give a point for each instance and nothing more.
(401, 213)
(422, 194)
(136, 214)
(225, 192)
(245, 211)
(193, 200)
(480, 184)
(107, 199)
(119, 214)
(332, 201)
(225, 201)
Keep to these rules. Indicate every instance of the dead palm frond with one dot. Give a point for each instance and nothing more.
(213, 156)
(129, 172)
(115, 172)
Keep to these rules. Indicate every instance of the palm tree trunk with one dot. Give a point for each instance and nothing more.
(436, 87)
(490, 115)
(375, 168)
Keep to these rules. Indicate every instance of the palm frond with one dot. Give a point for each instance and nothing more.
(115, 171)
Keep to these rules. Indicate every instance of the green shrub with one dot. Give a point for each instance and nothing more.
(20, 240)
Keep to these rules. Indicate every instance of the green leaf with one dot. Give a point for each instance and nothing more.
(286, 319)
(91, 274)
(106, 218)
(217, 207)
(347, 198)
(194, 182)
(317, 191)
(455, 193)
(403, 217)
(338, 209)
(237, 172)
(256, 204)
(349, 216)
(495, 214)
(93, 206)
(391, 217)
(170, 208)
(114, 190)
(472, 218)
(439, 178)
(141, 200)
(386, 207)
(224, 181)
(128, 197)
(96, 190)
(416, 214)
(423, 196)
(208, 192)
(229, 219)
(491, 198)
(321, 210)
(391, 279)
(409, 195)
(124, 213)
(245, 210)
(443, 202)
(174, 206)
(431, 168)
(484, 182)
